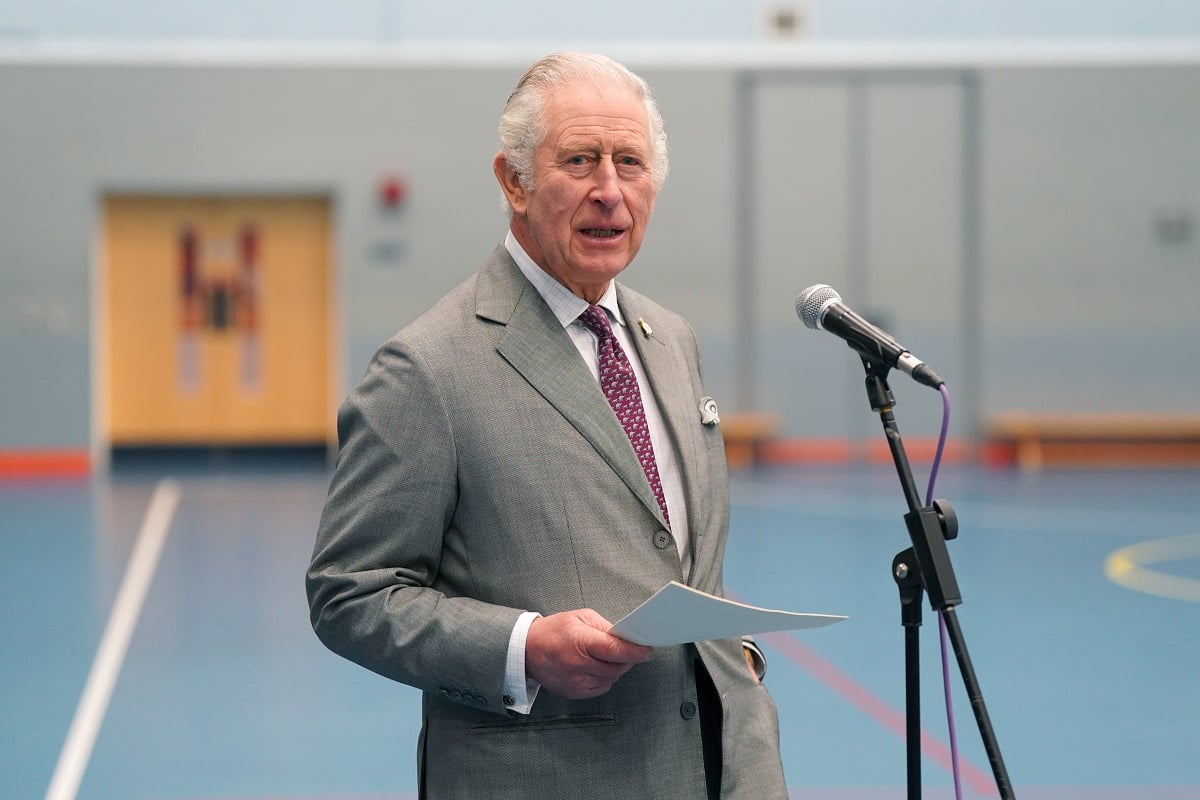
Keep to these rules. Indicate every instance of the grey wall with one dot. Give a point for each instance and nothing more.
(575, 23)
(1030, 229)
(1092, 280)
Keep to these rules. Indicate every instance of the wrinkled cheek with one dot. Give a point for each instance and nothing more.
(563, 209)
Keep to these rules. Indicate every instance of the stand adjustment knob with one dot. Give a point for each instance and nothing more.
(946, 518)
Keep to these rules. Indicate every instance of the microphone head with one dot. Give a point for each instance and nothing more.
(813, 302)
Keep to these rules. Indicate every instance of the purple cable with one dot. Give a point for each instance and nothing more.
(937, 462)
(937, 457)
(950, 709)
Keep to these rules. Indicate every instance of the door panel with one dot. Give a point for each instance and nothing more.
(858, 184)
(217, 320)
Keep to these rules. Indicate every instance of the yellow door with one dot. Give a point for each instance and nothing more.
(217, 320)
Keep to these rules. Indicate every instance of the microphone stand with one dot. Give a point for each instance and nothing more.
(926, 567)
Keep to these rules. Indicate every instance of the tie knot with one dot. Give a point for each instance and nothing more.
(595, 319)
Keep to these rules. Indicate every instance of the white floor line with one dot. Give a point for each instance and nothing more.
(81, 738)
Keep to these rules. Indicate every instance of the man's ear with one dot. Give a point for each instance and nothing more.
(510, 183)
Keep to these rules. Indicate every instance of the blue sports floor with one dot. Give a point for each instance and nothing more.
(155, 642)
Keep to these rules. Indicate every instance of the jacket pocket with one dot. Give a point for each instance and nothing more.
(545, 723)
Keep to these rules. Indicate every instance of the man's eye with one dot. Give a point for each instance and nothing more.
(630, 166)
(577, 161)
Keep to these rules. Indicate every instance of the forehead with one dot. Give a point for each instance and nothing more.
(589, 110)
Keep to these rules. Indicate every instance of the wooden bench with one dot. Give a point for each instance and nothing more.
(1036, 440)
(744, 435)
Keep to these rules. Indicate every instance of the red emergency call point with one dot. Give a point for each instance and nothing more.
(392, 191)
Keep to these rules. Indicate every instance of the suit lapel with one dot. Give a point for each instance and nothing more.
(536, 345)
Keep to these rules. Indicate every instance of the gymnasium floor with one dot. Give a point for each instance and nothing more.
(223, 692)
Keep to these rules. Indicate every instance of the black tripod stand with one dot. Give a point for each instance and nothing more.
(926, 567)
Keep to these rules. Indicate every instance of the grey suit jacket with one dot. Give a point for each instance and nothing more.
(482, 474)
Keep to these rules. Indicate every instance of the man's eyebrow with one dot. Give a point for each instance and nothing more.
(631, 146)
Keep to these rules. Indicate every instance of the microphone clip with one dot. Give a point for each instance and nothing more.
(879, 393)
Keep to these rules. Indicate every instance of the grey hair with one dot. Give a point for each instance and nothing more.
(523, 122)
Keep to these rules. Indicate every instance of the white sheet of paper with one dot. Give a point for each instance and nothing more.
(678, 614)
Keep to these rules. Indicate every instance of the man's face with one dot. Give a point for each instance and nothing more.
(593, 193)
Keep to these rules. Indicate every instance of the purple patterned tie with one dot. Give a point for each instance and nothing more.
(620, 386)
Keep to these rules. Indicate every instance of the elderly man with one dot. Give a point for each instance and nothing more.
(531, 459)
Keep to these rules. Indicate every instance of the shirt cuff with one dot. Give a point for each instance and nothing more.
(755, 658)
(517, 687)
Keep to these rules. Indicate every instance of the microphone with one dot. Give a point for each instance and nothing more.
(821, 308)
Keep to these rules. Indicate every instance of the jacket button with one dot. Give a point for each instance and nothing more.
(662, 540)
(687, 710)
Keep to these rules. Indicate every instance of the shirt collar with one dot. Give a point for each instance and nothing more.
(565, 305)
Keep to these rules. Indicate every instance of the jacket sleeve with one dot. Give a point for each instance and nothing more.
(375, 565)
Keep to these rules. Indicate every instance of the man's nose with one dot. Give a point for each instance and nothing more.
(607, 190)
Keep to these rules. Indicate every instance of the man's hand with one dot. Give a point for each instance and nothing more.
(573, 655)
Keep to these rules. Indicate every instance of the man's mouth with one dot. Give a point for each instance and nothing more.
(601, 233)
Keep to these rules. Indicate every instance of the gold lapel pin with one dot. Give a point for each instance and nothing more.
(646, 329)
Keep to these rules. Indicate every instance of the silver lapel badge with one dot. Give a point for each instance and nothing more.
(708, 411)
